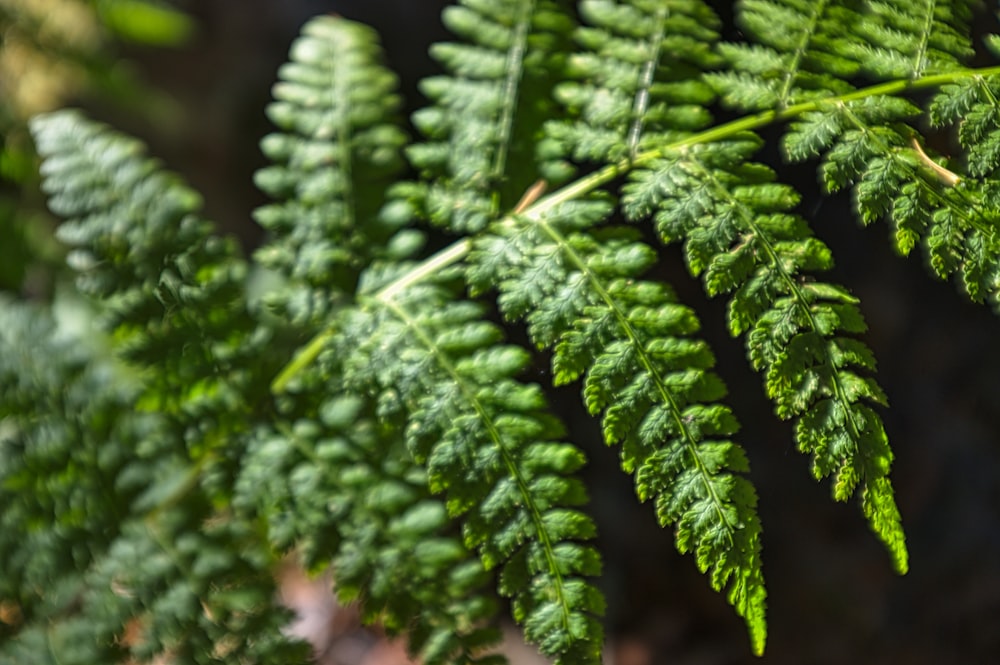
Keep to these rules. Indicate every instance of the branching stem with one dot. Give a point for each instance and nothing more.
(461, 248)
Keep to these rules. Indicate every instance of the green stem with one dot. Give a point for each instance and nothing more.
(302, 359)
(461, 248)
(926, 30)
(447, 256)
(574, 190)
(640, 105)
(511, 87)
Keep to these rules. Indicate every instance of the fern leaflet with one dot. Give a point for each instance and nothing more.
(333, 160)
(350, 493)
(578, 291)
(490, 449)
(486, 114)
(797, 54)
(633, 87)
(175, 303)
(913, 39)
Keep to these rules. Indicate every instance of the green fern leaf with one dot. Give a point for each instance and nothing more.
(578, 290)
(486, 112)
(58, 516)
(867, 144)
(970, 206)
(907, 40)
(330, 479)
(489, 448)
(738, 232)
(337, 486)
(139, 245)
(339, 146)
(798, 54)
(147, 497)
(969, 105)
(634, 86)
(175, 302)
(128, 546)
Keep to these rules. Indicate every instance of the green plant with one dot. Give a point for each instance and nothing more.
(157, 488)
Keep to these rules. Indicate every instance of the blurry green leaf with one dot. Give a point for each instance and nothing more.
(144, 22)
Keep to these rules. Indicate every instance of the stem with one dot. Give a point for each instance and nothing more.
(514, 71)
(444, 258)
(641, 103)
(800, 51)
(302, 359)
(461, 248)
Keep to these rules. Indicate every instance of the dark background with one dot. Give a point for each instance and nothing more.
(833, 596)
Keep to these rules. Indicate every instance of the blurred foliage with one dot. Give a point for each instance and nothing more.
(53, 52)
(145, 22)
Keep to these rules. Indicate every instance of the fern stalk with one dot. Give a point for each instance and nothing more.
(459, 249)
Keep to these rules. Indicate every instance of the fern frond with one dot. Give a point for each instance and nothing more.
(953, 215)
(635, 85)
(797, 54)
(66, 432)
(330, 477)
(971, 104)
(423, 580)
(172, 292)
(866, 144)
(489, 448)
(77, 456)
(803, 51)
(147, 498)
(343, 493)
(176, 308)
(186, 580)
(910, 39)
(487, 111)
(338, 148)
(739, 234)
(579, 289)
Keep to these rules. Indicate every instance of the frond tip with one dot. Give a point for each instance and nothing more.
(739, 234)
(337, 147)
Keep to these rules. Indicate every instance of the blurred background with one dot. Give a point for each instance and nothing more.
(193, 84)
